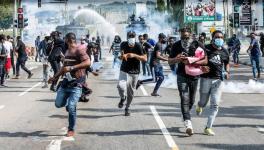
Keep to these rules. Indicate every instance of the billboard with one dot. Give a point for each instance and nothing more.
(199, 10)
(246, 16)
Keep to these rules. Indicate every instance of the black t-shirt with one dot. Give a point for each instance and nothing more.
(176, 50)
(217, 59)
(21, 50)
(132, 65)
(154, 60)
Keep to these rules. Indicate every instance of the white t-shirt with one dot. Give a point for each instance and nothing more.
(8, 46)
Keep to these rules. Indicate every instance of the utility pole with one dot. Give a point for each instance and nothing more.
(21, 29)
(14, 18)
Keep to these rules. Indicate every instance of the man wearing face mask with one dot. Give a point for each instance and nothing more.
(115, 49)
(155, 65)
(187, 84)
(211, 81)
(131, 54)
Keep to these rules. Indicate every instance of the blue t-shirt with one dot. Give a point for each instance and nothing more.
(255, 51)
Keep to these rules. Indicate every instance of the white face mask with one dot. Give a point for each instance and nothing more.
(131, 41)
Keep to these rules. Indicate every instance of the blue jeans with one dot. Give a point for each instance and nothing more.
(70, 97)
(157, 76)
(236, 56)
(145, 68)
(210, 89)
(115, 61)
(255, 65)
(187, 89)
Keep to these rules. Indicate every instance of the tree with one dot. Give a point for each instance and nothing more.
(6, 17)
(178, 11)
(161, 6)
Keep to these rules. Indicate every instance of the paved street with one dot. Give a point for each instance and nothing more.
(29, 119)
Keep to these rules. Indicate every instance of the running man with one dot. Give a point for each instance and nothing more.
(187, 84)
(73, 70)
(211, 81)
(132, 53)
(155, 65)
(115, 49)
(21, 59)
(255, 54)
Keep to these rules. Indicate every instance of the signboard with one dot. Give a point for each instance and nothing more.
(199, 10)
(246, 17)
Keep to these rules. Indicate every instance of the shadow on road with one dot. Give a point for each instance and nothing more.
(84, 116)
(233, 146)
(26, 134)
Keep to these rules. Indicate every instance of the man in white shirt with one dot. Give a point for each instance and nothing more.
(9, 47)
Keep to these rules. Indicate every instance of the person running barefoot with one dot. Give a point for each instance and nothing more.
(132, 53)
(211, 81)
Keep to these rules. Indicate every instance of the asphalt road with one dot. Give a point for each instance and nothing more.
(30, 121)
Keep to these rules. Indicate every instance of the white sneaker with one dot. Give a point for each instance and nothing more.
(188, 126)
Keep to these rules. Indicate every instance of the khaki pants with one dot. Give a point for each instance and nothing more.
(126, 86)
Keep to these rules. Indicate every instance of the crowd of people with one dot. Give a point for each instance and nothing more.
(191, 60)
(12, 57)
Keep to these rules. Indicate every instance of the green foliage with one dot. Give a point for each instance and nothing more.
(161, 6)
(6, 16)
(177, 11)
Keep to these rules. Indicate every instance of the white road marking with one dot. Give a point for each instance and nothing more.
(32, 68)
(2, 106)
(27, 90)
(56, 144)
(260, 129)
(163, 129)
(145, 93)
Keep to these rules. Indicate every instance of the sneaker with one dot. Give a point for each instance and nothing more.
(236, 65)
(121, 103)
(209, 131)
(70, 134)
(127, 112)
(199, 110)
(45, 86)
(155, 94)
(30, 75)
(84, 99)
(53, 88)
(3, 85)
(138, 84)
(189, 128)
(16, 77)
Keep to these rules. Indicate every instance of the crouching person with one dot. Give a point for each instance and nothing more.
(70, 88)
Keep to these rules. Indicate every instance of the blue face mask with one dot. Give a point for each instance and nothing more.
(219, 42)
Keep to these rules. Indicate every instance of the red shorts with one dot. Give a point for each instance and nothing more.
(8, 63)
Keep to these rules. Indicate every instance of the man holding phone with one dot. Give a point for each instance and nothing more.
(187, 85)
